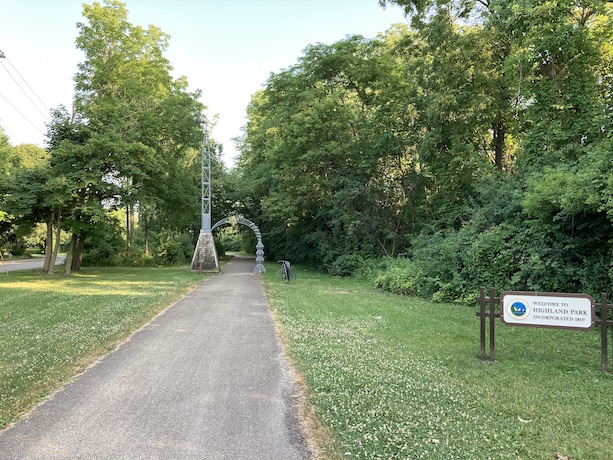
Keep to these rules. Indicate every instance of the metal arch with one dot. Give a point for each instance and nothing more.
(240, 220)
(221, 222)
(259, 253)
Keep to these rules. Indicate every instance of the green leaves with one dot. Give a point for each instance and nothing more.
(323, 150)
(136, 121)
(478, 144)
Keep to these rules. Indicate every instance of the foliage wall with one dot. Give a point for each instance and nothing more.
(471, 148)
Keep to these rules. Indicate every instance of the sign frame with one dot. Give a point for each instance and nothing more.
(559, 302)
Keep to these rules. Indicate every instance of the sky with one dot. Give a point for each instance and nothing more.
(227, 49)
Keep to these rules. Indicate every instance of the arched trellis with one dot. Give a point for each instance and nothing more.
(259, 253)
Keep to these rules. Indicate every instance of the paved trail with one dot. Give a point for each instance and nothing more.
(26, 264)
(205, 380)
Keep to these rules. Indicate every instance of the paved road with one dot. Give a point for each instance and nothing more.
(26, 264)
(207, 379)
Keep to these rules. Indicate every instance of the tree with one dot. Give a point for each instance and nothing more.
(5, 166)
(486, 53)
(28, 156)
(326, 156)
(6, 154)
(25, 201)
(132, 124)
(546, 97)
(567, 112)
(484, 130)
(125, 91)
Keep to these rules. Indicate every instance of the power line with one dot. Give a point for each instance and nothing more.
(24, 80)
(26, 118)
(8, 130)
(3, 56)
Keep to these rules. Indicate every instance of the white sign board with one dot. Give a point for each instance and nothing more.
(547, 309)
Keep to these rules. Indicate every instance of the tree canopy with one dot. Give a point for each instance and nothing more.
(129, 147)
(480, 133)
(471, 146)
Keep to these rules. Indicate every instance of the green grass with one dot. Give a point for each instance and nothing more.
(53, 327)
(394, 377)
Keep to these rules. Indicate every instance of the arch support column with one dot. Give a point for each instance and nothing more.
(259, 258)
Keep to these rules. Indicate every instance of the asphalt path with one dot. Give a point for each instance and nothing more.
(206, 379)
(27, 264)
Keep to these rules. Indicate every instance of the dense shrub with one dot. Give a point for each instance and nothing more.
(452, 267)
(175, 250)
(230, 241)
(135, 258)
(103, 245)
(21, 252)
(400, 276)
(346, 265)
(505, 248)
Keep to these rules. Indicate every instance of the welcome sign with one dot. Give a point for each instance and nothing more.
(564, 311)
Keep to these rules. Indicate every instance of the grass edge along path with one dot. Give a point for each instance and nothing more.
(391, 377)
(54, 327)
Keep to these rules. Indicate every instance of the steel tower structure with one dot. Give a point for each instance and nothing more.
(206, 181)
(205, 255)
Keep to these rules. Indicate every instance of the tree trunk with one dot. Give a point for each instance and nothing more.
(75, 254)
(49, 242)
(69, 254)
(499, 123)
(146, 236)
(499, 135)
(56, 246)
(132, 219)
(76, 266)
(128, 227)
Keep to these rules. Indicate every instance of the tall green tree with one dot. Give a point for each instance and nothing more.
(5, 166)
(564, 50)
(34, 194)
(325, 157)
(547, 92)
(132, 129)
(5, 152)
(22, 200)
(479, 58)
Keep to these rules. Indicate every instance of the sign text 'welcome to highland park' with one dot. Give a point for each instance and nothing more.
(564, 311)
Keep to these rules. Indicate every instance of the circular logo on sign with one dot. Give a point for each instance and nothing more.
(519, 309)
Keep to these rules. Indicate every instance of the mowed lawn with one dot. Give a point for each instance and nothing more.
(52, 327)
(394, 377)
(388, 377)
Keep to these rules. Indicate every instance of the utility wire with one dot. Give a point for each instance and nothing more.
(24, 80)
(26, 118)
(21, 88)
(8, 130)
